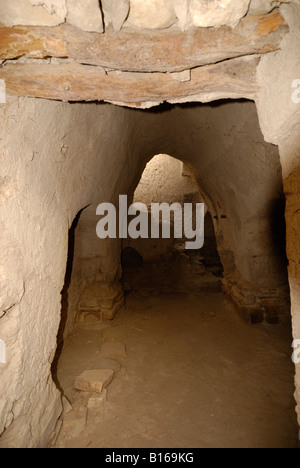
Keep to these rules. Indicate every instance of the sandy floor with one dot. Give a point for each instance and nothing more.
(196, 375)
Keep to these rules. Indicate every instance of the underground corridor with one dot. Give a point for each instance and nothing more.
(191, 345)
(116, 329)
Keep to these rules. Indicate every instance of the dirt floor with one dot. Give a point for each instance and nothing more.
(196, 375)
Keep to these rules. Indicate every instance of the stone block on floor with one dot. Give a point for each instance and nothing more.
(94, 380)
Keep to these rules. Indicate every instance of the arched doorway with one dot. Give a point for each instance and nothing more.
(168, 266)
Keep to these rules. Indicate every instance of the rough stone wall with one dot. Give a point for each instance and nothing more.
(94, 16)
(51, 167)
(280, 122)
(224, 141)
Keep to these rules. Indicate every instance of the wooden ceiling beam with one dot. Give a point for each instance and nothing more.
(145, 51)
(234, 79)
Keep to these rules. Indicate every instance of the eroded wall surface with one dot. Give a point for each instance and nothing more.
(279, 114)
(55, 160)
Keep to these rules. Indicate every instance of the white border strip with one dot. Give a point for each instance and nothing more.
(2, 92)
(2, 352)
